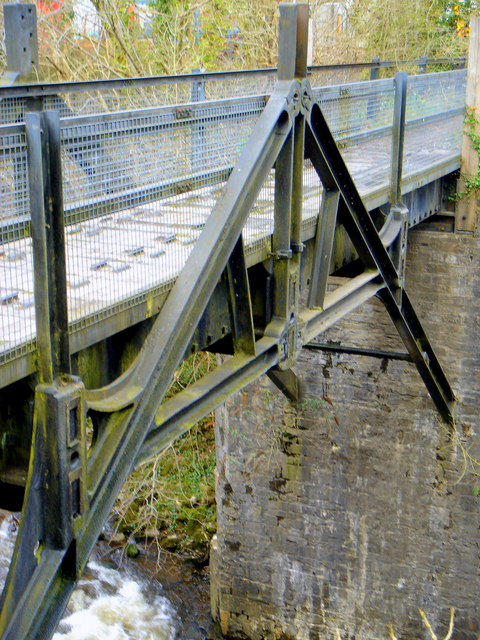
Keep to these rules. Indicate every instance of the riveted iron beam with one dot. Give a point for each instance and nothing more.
(47, 227)
(338, 304)
(189, 296)
(185, 409)
(239, 301)
(331, 168)
(416, 341)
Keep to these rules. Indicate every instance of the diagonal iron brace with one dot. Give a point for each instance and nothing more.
(333, 172)
(35, 599)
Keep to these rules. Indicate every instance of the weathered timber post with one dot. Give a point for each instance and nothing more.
(20, 43)
(466, 213)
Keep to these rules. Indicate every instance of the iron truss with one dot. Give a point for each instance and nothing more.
(70, 492)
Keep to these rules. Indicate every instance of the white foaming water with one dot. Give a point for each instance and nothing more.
(108, 604)
(8, 528)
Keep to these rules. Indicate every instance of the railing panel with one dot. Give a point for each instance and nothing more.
(432, 93)
(360, 117)
(356, 108)
(17, 322)
(152, 176)
(88, 98)
(434, 113)
(139, 186)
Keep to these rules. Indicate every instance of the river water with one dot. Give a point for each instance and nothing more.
(125, 599)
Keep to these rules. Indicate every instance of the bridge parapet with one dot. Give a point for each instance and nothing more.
(266, 243)
(134, 214)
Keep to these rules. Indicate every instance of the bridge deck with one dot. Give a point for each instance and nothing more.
(123, 258)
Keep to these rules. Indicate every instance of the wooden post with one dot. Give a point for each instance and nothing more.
(466, 213)
(20, 43)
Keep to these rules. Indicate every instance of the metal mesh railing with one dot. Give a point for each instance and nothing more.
(152, 205)
(17, 320)
(360, 117)
(434, 112)
(88, 98)
(357, 109)
(114, 163)
(140, 184)
(437, 93)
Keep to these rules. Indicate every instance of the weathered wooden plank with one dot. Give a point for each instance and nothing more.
(466, 212)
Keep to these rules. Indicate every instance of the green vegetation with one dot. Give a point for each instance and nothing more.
(472, 183)
(170, 502)
(128, 38)
(410, 29)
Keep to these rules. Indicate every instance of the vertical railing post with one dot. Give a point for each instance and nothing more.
(47, 228)
(198, 129)
(398, 211)
(286, 240)
(422, 64)
(466, 210)
(398, 136)
(374, 70)
(373, 101)
(198, 87)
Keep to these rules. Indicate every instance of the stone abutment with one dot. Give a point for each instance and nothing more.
(345, 514)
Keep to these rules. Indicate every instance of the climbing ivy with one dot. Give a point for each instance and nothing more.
(472, 183)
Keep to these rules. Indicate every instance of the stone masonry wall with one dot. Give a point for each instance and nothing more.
(344, 515)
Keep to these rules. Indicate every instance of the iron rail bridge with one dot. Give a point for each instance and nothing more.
(133, 235)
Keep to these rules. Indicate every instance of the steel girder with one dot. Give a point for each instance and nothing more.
(69, 493)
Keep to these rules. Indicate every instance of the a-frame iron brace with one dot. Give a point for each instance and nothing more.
(332, 171)
(129, 426)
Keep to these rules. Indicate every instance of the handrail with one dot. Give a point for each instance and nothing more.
(184, 116)
(54, 88)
